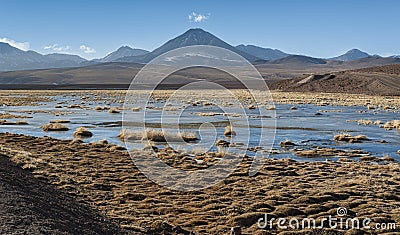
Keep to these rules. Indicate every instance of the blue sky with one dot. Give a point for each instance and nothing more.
(323, 28)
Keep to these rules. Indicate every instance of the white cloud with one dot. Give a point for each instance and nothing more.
(20, 45)
(57, 48)
(194, 17)
(87, 49)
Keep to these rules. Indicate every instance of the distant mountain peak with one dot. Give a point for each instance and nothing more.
(7, 48)
(353, 54)
(124, 48)
(3, 44)
(123, 51)
(355, 50)
(192, 37)
(263, 53)
(195, 36)
(196, 30)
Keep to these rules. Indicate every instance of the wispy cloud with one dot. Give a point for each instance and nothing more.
(87, 49)
(56, 47)
(195, 17)
(20, 45)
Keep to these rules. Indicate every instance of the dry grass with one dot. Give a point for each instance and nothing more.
(349, 138)
(229, 132)
(60, 121)
(75, 106)
(100, 108)
(114, 110)
(82, 132)
(54, 127)
(157, 135)
(369, 159)
(329, 152)
(287, 143)
(208, 114)
(5, 122)
(103, 142)
(23, 158)
(108, 180)
(8, 115)
(21, 123)
(395, 124)
(389, 159)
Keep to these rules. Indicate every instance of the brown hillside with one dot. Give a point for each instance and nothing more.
(381, 80)
(388, 69)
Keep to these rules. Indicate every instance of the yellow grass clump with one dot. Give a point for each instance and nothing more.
(229, 132)
(5, 122)
(395, 124)
(54, 127)
(287, 143)
(100, 108)
(157, 135)
(82, 132)
(21, 123)
(114, 110)
(349, 138)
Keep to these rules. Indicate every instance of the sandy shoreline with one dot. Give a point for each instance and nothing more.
(107, 180)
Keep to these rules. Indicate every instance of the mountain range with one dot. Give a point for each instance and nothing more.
(12, 59)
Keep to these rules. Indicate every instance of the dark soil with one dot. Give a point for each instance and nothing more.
(29, 205)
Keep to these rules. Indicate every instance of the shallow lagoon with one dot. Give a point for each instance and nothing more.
(301, 126)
